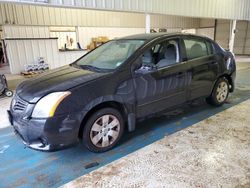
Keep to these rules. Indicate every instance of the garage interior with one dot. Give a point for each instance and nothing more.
(194, 146)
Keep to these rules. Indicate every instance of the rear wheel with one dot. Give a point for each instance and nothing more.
(103, 130)
(220, 92)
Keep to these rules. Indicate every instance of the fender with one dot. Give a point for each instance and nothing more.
(129, 108)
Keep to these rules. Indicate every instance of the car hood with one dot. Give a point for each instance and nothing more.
(60, 79)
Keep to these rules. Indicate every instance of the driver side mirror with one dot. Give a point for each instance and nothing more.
(145, 63)
(146, 68)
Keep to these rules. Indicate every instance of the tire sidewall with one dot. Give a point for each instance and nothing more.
(87, 128)
(214, 98)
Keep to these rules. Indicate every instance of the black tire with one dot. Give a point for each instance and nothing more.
(213, 99)
(88, 132)
(8, 93)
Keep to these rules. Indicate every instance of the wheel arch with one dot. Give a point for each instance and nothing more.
(106, 104)
(229, 79)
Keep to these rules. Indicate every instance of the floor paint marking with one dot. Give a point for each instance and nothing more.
(7, 135)
(4, 148)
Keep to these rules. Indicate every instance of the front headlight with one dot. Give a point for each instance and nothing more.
(47, 105)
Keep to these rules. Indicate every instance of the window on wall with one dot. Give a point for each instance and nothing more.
(197, 48)
(67, 38)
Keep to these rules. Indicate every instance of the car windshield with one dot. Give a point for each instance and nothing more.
(110, 55)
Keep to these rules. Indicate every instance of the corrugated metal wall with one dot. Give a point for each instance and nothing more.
(242, 36)
(206, 28)
(164, 21)
(223, 9)
(85, 34)
(205, 23)
(223, 33)
(23, 14)
(26, 51)
(23, 52)
(16, 31)
(42, 15)
(208, 32)
(247, 42)
(29, 21)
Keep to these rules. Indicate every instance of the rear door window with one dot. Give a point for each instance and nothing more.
(197, 48)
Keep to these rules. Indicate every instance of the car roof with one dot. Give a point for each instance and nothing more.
(152, 36)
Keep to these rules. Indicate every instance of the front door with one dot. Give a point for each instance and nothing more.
(162, 79)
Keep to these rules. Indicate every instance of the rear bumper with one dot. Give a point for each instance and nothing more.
(46, 134)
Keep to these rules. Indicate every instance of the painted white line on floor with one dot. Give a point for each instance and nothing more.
(211, 153)
(4, 105)
(4, 148)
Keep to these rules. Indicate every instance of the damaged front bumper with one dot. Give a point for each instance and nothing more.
(46, 134)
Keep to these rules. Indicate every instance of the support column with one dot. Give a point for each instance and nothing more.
(215, 28)
(147, 23)
(232, 35)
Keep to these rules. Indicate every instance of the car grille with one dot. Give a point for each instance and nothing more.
(19, 104)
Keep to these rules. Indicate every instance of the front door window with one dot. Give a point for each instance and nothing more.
(161, 55)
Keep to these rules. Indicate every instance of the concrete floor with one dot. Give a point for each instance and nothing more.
(212, 153)
(5, 103)
(197, 146)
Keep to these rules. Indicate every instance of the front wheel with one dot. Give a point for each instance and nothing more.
(220, 92)
(103, 130)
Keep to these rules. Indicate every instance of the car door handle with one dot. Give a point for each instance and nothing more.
(214, 62)
(180, 74)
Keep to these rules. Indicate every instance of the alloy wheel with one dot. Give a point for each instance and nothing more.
(222, 92)
(105, 130)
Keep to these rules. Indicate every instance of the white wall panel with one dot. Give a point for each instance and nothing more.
(207, 22)
(223, 33)
(223, 9)
(55, 16)
(85, 34)
(23, 52)
(247, 39)
(163, 21)
(242, 36)
(173, 30)
(14, 31)
(208, 32)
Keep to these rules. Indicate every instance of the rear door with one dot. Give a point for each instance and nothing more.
(204, 66)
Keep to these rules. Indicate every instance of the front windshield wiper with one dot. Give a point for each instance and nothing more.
(88, 67)
(93, 68)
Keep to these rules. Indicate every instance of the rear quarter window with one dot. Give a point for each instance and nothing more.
(197, 48)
